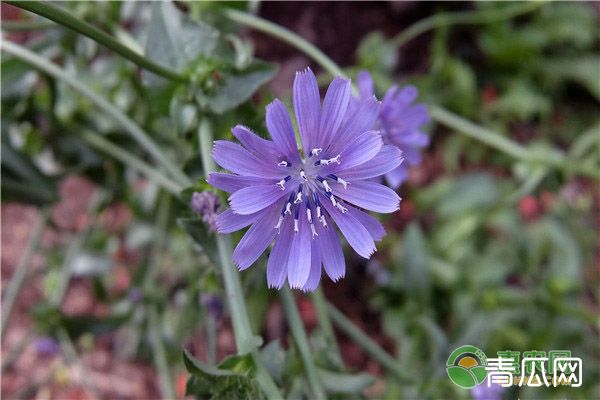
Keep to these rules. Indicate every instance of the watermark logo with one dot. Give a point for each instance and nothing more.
(468, 367)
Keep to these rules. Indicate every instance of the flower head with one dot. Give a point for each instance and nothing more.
(206, 204)
(399, 123)
(296, 198)
(47, 346)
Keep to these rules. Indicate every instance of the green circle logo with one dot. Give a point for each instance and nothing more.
(466, 366)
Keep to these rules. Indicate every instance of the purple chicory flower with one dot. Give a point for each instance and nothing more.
(47, 346)
(213, 304)
(136, 295)
(294, 198)
(399, 123)
(206, 204)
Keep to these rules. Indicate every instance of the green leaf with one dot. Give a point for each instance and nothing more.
(49, 319)
(17, 78)
(235, 87)
(174, 42)
(273, 358)
(583, 70)
(477, 190)
(22, 181)
(417, 278)
(522, 101)
(198, 231)
(377, 54)
(565, 257)
(231, 380)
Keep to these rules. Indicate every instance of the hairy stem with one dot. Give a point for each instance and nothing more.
(22, 267)
(299, 334)
(64, 18)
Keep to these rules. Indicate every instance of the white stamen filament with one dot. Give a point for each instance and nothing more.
(278, 226)
(309, 215)
(316, 152)
(335, 159)
(323, 221)
(332, 198)
(281, 184)
(303, 175)
(288, 208)
(296, 225)
(313, 230)
(298, 198)
(283, 164)
(326, 186)
(319, 212)
(341, 208)
(343, 183)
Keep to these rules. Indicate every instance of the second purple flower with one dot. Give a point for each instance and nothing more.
(400, 123)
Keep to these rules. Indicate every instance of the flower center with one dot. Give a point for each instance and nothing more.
(311, 183)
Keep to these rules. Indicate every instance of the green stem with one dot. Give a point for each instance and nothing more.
(479, 133)
(287, 36)
(130, 160)
(585, 141)
(529, 185)
(15, 351)
(153, 319)
(130, 126)
(18, 26)
(318, 299)
(62, 17)
(484, 16)
(159, 355)
(160, 235)
(22, 267)
(74, 248)
(71, 354)
(244, 338)
(299, 334)
(368, 344)
(211, 339)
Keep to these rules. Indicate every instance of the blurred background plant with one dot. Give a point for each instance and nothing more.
(105, 134)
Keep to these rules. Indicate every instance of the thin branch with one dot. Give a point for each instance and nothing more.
(159, 354)
(64, 18)
(299, 334)
(130, 160)
(22, 267)
(318, 299)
